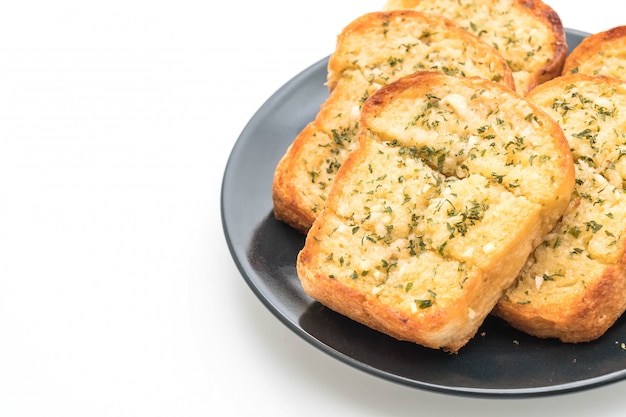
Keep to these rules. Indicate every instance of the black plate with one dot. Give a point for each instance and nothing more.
(498, 362)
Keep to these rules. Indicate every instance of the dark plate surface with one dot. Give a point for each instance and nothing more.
(498, 362)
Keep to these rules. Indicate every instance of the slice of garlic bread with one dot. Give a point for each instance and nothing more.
(372, 51)
(573, 286)
(453, 184)
(528, 33)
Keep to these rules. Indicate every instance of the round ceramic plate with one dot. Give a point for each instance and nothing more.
(498, 362)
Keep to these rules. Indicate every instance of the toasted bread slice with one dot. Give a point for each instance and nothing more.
(528, 33)
(603, 53)
(431, 218)
(371, 51)
(573, 286)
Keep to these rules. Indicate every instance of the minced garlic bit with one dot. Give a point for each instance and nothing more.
(489, 247)
(457, 102)
(538, 281)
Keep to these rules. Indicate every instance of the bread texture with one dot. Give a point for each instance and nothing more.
(573, 286)
(428, 222)
(603, 53)
(372, 51)
(528, 33)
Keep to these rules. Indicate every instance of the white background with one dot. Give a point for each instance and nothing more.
(118, 296)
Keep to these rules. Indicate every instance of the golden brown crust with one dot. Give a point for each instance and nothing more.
(573, 286)
(535, 57)
(580, 319)
(371, 51)
(558, 43)
(603, 53)
(290, 205)
(423, 232)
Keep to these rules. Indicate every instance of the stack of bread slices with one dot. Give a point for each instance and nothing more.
(454, 172)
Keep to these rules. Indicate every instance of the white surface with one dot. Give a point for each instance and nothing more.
(118, 296)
